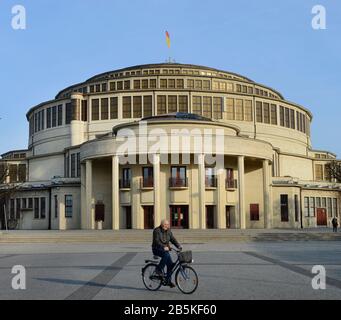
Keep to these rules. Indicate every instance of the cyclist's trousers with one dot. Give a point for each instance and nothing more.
(166, 260)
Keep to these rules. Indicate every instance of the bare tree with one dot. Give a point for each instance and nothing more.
(334, 170)
(7, 191)
(3, 193)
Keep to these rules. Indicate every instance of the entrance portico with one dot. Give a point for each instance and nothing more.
(192, 193)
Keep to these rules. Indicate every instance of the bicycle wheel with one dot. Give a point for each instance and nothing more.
(186, 279)
(150, 279)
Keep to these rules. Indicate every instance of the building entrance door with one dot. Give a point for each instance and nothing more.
(321, 216)
(228, 217)
(210, 217)
(179, 217)
(128, 217)
(148, 217)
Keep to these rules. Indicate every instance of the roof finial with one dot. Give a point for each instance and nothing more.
(170, 60)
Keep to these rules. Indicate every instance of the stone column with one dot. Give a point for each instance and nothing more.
(157, 186)
(221, 199)
(266, 194)
(83, 217)
(137, 214)
(241, 192)
(115, 193)
(202, 191)
(89, 222)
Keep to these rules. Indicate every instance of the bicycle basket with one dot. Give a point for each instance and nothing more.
(185, 257)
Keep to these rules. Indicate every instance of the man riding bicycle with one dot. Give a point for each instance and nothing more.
(162, 237)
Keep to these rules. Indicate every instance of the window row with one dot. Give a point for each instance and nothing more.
(14, 155)
(171, 104)
(142, 106)
(56, 116)
(37, 205)
(208, 107)
(175, 83)
(267, 113)
(72, 165)
(178, 178)
(238, 109)
(312, 204)
(211, 178)
(132, 107)
(12, 173)
(322, 173)
(321, 156)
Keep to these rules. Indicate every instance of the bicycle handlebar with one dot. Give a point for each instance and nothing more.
(175, 249)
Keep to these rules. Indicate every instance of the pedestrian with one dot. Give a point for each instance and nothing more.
(335, 224)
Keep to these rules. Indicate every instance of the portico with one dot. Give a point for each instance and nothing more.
(190, 193)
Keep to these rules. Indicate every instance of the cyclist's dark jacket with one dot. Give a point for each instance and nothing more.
(162, 238)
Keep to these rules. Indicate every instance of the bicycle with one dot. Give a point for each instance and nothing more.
(186, 278)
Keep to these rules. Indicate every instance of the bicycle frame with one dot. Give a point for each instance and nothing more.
(178, 264)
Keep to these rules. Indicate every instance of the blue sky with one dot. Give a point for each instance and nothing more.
(68, 41)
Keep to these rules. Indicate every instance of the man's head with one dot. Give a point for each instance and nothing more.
(165, 224)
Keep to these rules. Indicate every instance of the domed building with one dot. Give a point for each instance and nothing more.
(201, 147)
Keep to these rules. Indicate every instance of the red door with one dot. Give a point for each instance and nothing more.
(321, 216)
(179, 217)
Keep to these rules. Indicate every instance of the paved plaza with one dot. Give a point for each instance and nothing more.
(227, 270)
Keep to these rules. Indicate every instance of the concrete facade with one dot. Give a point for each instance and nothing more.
(170, 121)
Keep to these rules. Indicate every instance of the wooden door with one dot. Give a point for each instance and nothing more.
(148, 217)
(179, 217)
(128, 217)
(321, 216)
(210, 217)
(99, 212)
(228, 217)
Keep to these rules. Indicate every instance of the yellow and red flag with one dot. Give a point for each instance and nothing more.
(168, 39)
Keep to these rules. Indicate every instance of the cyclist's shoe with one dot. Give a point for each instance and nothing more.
(158, 273)
(171, 284)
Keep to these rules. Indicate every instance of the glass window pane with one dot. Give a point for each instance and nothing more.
(104, 109)
(95, 109)
(147, 106)
(126, 107)
(161, 105)
(137, 107)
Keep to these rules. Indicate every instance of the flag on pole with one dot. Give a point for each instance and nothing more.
(168, 39)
